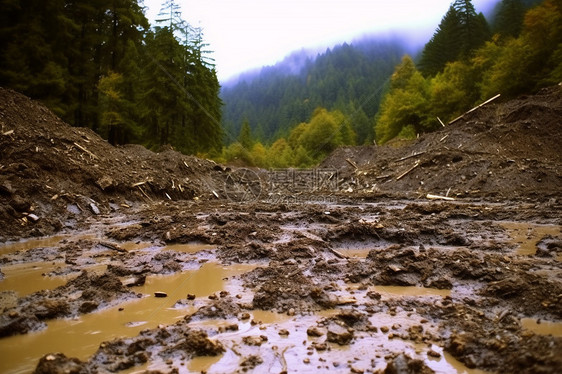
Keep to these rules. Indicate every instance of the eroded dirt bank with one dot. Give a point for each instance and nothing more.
(146, 276)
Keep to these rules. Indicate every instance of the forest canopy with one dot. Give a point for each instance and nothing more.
(99, 64)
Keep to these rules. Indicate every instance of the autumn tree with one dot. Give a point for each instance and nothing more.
(405, 104)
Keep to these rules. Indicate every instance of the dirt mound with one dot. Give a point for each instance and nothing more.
(507, 150)
(52, 173)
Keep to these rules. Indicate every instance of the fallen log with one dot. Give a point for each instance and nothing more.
(476, 107)
(112, 246)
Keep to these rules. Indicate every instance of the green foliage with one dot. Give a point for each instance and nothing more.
(97, 64)
(533, 58)
(307, 144)
(245, 136)
(509, 18)
(348, 78)
(460, 32)
(405, 104)
(503, 64)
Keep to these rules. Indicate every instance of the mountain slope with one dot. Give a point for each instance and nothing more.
(349, 78)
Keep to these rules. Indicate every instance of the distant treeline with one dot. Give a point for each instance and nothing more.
(467, 60)
(349, 78)
(99, 64)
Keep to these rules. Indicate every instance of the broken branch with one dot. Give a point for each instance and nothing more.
(93, 156)
(408, 171)
(351, 163)
(407, 157)
(476, 107)
(437, 197)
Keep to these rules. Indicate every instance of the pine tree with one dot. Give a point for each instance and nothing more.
(245, 136)
(508, 21)
(460, 32)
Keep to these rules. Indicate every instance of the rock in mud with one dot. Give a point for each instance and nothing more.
(58, 363)
(339, 334)
(13, 324)
(403, 364)
(219, 309)
(196, 343)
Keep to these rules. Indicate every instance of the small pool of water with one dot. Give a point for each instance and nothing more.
(542, 327)
(527, 235)
(81, 337)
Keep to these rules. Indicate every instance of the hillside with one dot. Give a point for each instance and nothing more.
(505, 150)
(164, 267)
(349, 77)
(56, 174)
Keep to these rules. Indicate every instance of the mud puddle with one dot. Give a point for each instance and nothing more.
(527, 235)
(542, 327)
(80, 337)
(31, 277)
(283, 344)
(28, 244)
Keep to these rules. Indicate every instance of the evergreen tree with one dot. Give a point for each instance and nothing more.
(508, 21)
(460, 32)
(443, 46)
(245, 136)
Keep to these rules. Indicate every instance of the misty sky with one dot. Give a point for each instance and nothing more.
(246, 34)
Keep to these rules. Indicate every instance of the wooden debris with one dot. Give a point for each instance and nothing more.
(138, 184)
(216, 194)
(353, 164)
(144, 193)
(92, 156)
(337, 254)
(32, 217)
(408, 171)
(443, 138)
(94, 209)
(438, 197)
(112, 246)
(160, 294)
(168, 196)
(441, 122)
(410, 156)
(10, 132)
(395, 268)
(476, 107)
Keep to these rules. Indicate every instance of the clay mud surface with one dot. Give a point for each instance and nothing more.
(124, 260)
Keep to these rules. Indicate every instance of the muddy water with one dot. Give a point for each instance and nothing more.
(28, 278)
(397, 291)
(286, 353)
(527, 235)
(25, 245)
(542, 327)
(190, 247)
(81, 337)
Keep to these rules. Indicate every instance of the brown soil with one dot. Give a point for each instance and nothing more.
(337, 313)
(508, 150)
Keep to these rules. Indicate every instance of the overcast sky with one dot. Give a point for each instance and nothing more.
(245, 34)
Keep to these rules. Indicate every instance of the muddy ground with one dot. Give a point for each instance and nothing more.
(357, 271)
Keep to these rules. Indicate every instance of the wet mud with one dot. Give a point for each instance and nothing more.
(399, 285)
(118, 259)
